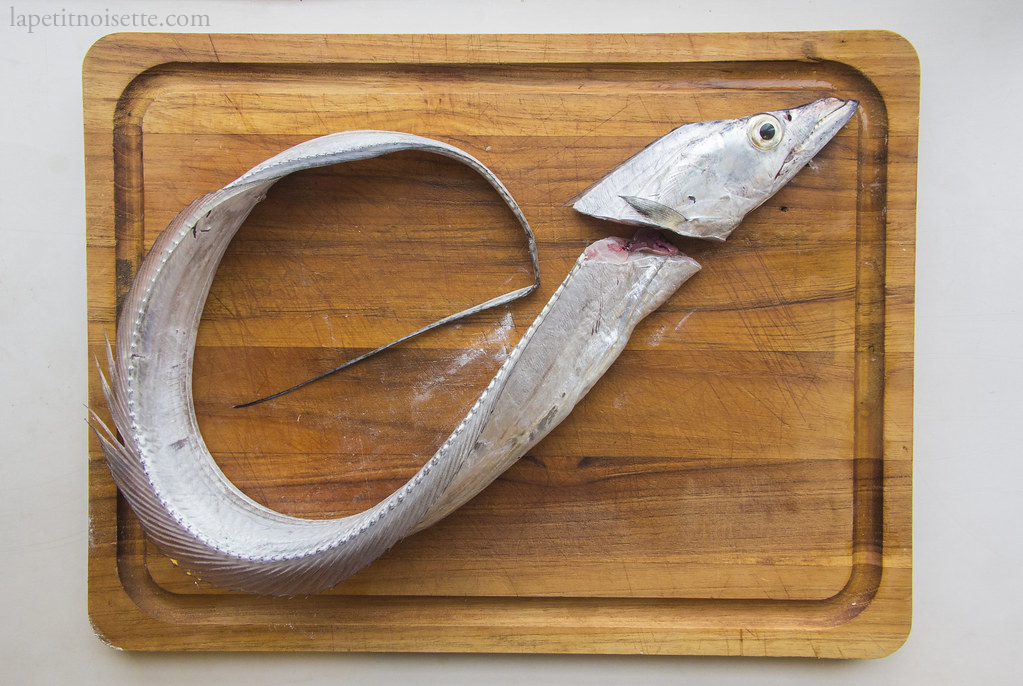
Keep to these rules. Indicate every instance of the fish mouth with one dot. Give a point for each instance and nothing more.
(831, 115)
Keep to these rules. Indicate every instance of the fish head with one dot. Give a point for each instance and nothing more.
(805, 131)
(701, 179)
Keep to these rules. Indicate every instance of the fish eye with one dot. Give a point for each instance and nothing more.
(765, 131)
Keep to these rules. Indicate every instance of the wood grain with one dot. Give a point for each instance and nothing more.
(738, 483)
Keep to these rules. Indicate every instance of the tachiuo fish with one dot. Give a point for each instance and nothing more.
(192, 512)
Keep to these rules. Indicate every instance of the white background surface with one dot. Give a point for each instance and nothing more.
(969, 367)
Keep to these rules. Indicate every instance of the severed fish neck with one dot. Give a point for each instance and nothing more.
(701, 179)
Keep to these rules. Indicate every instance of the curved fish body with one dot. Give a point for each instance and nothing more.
(701, 179)
(161, 464)
(196, 516)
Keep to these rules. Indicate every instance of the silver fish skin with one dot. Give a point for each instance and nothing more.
(586, 325)
(160, 462)
(701, 179)
(195, 515)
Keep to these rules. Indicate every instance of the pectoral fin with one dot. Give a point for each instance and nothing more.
(657, 213)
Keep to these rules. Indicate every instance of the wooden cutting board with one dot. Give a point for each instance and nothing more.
(738, 483)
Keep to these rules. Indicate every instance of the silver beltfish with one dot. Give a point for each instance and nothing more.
(196, 516)
(192, 512)
(701, 179)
